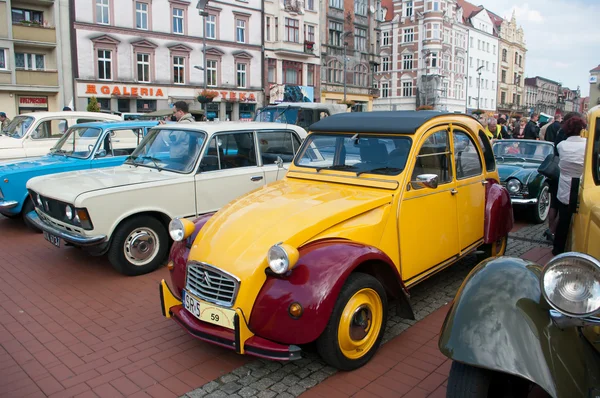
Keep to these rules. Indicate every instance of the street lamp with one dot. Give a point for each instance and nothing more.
(201, 7)
(346, 34)
(479, 86)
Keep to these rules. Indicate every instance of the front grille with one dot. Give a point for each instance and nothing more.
(212, 284)
(52, 207)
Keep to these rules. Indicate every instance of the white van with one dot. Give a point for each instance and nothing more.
(33, 134)
(301, 114)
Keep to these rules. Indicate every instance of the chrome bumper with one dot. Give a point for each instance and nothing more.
(77, 240)
(531, 201)
(8, 204)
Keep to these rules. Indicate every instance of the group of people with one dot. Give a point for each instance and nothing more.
(497, 129)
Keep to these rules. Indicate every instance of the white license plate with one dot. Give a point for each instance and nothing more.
(55, 240)
(207, 312)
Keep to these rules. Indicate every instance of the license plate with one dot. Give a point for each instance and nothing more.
(208, 312)
(55, 240)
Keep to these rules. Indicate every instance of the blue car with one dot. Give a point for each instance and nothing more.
(84, 146)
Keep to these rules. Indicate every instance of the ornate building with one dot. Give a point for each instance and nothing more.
(350, 51)
(511, 67)
(424, 53)
(543, 95)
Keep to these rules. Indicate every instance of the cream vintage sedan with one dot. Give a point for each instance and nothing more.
(178, 170)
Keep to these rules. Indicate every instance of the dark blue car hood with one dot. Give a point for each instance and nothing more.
(524, 171)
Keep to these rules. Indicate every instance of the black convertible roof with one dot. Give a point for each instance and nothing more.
(382, 122)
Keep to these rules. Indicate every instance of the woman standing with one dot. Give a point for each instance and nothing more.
(519, 131)
(571, 153)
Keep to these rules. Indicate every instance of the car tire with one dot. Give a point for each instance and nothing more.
(467, 381)
(361, 301)
(27, 208)
(139, 246)
(495, 249)
(541, 209)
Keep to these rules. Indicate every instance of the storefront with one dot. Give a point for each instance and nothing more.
(227, 105)
(28, 104)
(19, 102)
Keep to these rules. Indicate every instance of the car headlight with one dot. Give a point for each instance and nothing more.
(282, 258)
(571, 284)
(69, 212)
(39, 200)
(180, 229)
(513, 185)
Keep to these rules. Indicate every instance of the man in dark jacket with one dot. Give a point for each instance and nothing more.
(532, 130)
(552, 130)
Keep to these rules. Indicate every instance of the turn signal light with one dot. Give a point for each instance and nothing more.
(295, 310)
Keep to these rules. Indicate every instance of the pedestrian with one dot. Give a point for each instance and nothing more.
(519, 131)
(67, 109)
(493, 130)
(503, 130)
(532, 130)
(484, 122)
(5, 121)
(544, 128)
(571, 153)
(552, 130)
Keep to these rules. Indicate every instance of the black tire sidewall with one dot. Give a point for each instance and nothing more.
(327, 343)
(116, 255)
(465, 381)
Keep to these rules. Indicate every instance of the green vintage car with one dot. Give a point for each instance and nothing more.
(518, 161)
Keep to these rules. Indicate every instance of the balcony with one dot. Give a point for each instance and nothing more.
(34, 34)
(37, 77)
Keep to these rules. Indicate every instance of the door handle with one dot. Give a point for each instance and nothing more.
(484, 182)
(256, 178)
(453, 191)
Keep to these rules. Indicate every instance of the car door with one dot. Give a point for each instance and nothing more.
(44, 136)
(470, 189)
(115, 146)
(228, 169)
(428, 216)
(274, 144)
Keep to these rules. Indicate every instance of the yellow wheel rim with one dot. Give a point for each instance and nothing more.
(360, 323)
(499, 247)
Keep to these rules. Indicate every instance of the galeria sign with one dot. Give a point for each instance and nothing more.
(95, 89)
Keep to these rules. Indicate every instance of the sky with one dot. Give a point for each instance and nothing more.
(562, 37)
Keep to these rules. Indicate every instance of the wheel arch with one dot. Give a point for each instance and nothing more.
(162, 217)
(499, 219)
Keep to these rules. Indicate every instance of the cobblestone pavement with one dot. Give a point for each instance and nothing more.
(268, 379)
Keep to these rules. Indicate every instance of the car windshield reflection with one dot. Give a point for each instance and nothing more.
(18, 126)
(78, 142)
(385, 155)
(166, 149)
(522, 149)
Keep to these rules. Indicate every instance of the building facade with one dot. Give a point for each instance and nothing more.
(350, 51)
(35, 73)
(542, 95)
(594, 97)
(292, 45)
(511, 67)
(424, 55)
(584, 104)
(482, 68)
(144, 55)
(568, 100)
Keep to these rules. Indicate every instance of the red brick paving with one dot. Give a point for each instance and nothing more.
(72, 326)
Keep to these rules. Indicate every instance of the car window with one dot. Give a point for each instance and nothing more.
(50, 129)
(305, 117)
(488, 153)
(87, 120)
(228, 151)
(78, 142)
(466, 156)
(273, 144)
(122, 142)
(434, 158)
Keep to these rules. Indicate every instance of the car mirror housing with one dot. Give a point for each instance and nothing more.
(427, 181)
(101, 153)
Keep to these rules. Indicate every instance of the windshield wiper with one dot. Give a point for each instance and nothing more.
(390, 169)
(59, 151)
(152, 159)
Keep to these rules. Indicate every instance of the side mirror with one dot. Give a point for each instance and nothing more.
(427, 181)
(101, 153)
(279, 162)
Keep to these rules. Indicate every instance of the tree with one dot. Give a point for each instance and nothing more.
(93, 105)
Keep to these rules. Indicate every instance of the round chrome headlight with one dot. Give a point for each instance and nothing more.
(39, 200)
(571, 284)
(176, 230)
(278, 259)
(513, 185)
(69, 212)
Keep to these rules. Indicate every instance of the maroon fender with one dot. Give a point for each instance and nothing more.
(315, 282)
(179, 255)
(499, 218)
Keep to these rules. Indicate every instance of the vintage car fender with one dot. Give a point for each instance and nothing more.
(499, 218)
(500, 321)
(179, 254)
(315, 282)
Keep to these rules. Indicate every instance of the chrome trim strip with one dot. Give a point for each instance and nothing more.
(563, 321)
(329, 174)
(524, 201)
(235, 279)
(78, 240)
(8, 204)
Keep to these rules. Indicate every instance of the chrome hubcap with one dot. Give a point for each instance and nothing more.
(544, 203)
(141, 246)
(361, 323)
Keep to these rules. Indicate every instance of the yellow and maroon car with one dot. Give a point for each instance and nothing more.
(373, 204)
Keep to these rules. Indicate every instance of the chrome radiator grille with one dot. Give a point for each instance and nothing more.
(211, 284)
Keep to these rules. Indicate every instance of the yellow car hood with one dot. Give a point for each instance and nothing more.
(237, 238)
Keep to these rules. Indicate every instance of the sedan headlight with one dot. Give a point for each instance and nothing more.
(513, 185)
(282, 258)
(571, 284)
(38, 199)
(180, 229)
(69, 212)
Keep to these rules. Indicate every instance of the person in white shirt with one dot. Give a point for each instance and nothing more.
(571, 153)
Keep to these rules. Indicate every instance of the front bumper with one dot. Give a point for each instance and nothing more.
(8, 204)
(520, 201)
(241, 339)
(74, 239)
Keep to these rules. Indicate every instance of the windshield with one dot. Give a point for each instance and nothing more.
(173, 150)
(385, 155)
(19, 126)
(78, 142)
(278, 115)
(522, 149)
